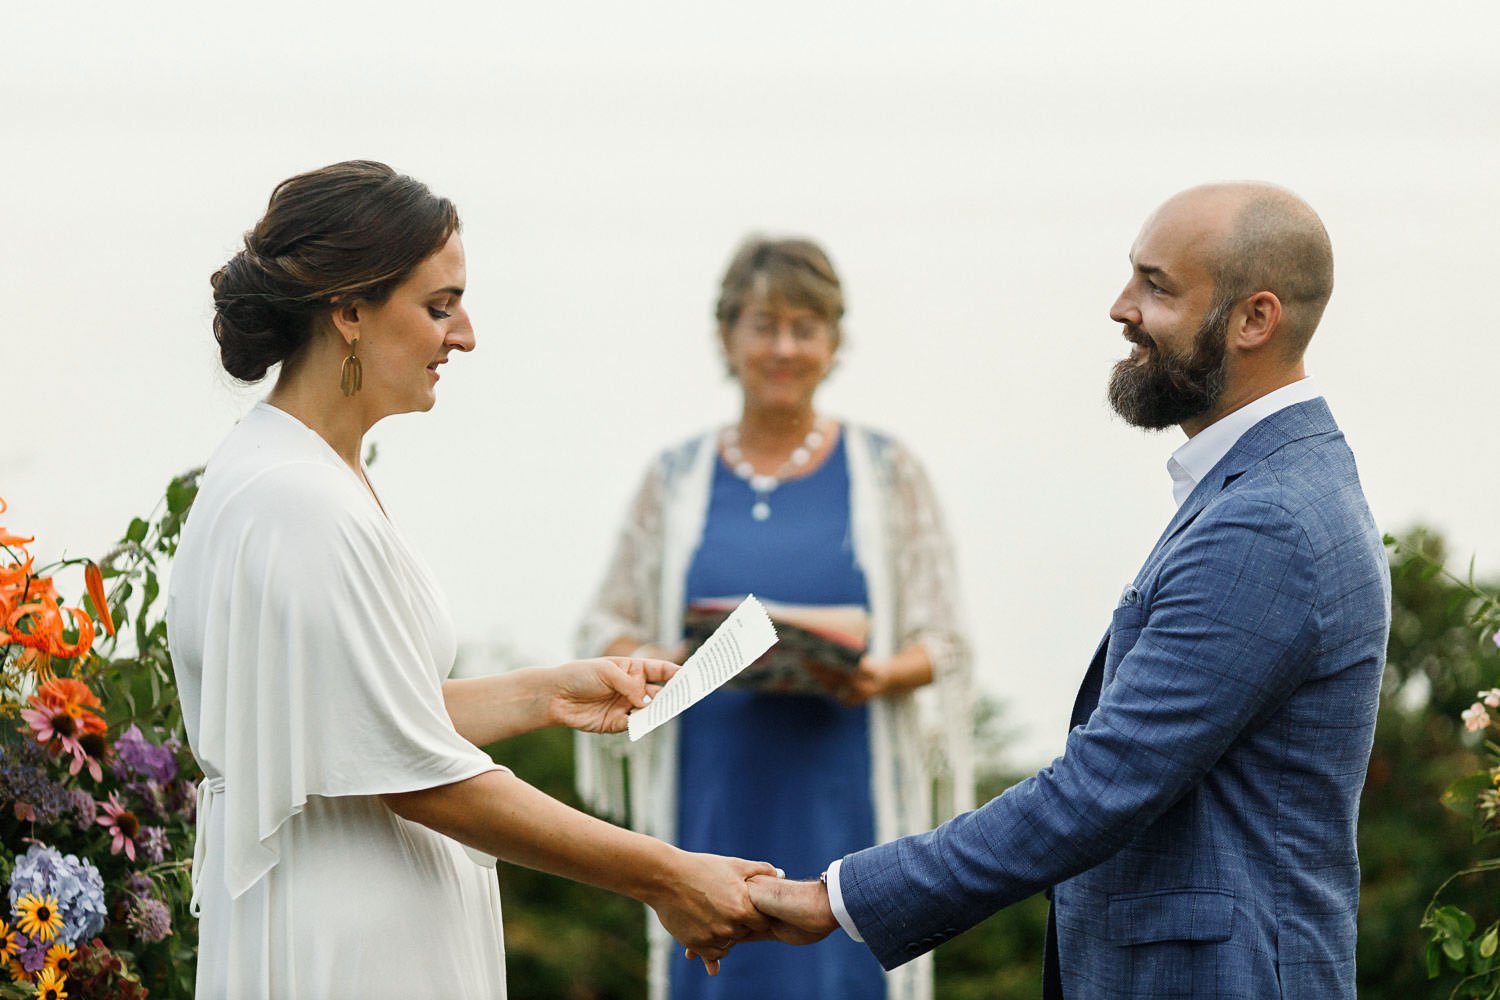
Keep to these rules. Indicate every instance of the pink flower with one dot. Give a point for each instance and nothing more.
(53, 723)
(1490, 697)
(1475, 718)
(122, 824)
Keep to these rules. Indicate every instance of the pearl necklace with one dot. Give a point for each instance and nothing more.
(762, 484)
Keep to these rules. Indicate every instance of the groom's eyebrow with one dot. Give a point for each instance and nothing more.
(1153, 272)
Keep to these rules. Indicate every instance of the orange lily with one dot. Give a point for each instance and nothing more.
(46, 632)
(6, 538)
(93, 579)
(17, 585)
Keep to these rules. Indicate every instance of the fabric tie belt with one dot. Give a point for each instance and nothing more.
(209, 792)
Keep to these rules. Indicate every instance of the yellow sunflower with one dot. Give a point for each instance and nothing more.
(49, 985)
(60, 957)
(17, 973)
(38, 916)
(10, 941)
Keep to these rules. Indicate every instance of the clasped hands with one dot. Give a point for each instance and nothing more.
(767, 907)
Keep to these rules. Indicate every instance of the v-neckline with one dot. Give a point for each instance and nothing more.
(361, 476)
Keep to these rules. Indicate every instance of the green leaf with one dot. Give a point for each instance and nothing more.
(1460, 795)
(180, 496)
(1489, 942)
(1434, 959)
(137, 531)
(1454, 949)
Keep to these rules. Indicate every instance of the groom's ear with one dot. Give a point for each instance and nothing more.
(1255, 322)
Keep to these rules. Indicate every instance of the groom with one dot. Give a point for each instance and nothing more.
(1197, 837)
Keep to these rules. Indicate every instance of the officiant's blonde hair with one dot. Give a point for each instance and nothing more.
(792, 270)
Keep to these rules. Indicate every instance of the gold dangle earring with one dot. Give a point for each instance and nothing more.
(351, 372)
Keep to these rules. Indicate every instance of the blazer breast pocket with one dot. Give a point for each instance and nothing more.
(1194, 915)
(1124, 629)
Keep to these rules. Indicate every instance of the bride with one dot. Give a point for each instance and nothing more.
(348, 821)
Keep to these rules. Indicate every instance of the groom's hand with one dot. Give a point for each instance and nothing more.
(705, 904)
(799, 911)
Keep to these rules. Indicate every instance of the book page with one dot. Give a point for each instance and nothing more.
(737, 643)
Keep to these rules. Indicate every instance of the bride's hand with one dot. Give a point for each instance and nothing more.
(596, 695)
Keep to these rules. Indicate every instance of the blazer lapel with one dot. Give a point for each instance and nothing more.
(1300, 420)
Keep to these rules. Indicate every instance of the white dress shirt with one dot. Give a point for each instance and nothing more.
(1190, 463)
(1187, 466)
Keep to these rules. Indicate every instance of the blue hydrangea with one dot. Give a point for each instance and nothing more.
(77, 886)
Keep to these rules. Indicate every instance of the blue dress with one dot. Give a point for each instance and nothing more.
(783, 778)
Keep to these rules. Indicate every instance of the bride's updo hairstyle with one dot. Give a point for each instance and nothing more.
(353, 230)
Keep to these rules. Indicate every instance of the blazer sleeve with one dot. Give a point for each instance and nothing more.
(1228, 634)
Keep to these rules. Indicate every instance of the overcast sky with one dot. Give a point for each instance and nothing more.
(977, 171)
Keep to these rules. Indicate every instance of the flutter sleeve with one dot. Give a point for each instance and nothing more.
(324, 653)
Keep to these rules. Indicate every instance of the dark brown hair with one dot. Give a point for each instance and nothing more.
(353, 230)
(794, 270)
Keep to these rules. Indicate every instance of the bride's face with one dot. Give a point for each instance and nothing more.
(403, 340)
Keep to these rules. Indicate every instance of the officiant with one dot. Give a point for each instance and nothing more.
(820, 517)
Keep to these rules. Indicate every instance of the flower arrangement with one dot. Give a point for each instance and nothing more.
(97, 790)
(1455, 939)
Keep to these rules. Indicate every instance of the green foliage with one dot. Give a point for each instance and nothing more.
(564, 940)
(1418, 824)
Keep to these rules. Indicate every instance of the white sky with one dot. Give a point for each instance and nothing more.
(977, 171)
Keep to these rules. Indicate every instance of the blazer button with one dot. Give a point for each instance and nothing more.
(913, 948)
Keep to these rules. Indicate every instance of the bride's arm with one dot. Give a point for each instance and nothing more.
(592, 695)
(701, 899)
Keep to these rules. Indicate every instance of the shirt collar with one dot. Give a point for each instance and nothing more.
(1191, 462)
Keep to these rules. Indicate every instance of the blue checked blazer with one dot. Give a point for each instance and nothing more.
(1198, 832)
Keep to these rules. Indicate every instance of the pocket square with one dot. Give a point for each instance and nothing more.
(1129, 596)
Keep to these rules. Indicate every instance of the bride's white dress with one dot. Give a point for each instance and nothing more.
(310, 646)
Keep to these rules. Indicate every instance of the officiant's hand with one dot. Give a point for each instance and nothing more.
(910, 668)
(706, 905)
(873, 677)
(800, 912)
(596, 695)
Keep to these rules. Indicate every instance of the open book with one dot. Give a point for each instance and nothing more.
(829, 635)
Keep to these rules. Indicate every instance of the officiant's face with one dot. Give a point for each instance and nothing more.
(405, 339)
(1172, 316)
(780, 352)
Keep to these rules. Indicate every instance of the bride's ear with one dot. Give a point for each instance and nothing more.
(345, 319)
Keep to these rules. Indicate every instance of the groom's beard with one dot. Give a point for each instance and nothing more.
(1166, 389)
